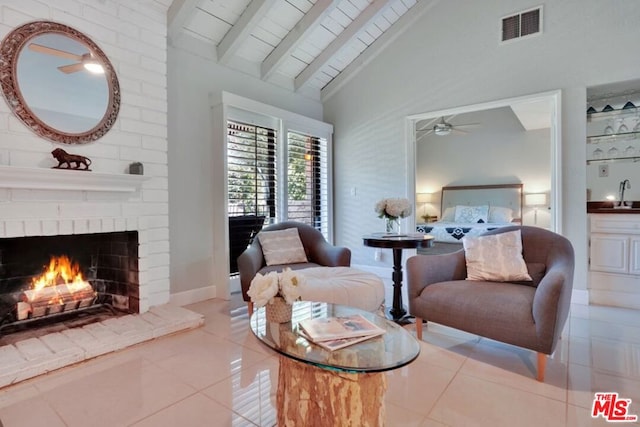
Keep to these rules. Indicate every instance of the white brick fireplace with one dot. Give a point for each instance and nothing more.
(35, 200)
(38, 201)
(48, 202)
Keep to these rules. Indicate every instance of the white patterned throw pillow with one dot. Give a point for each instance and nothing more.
(282, 246)
(471, 214)
(497, 257)
(498, 214)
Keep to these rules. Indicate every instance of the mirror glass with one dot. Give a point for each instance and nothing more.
(58, 82)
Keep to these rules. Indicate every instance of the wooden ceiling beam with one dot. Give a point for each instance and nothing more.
(177, 15)
(305, 26)
(369, 14)
(398, 28)
(242, 29)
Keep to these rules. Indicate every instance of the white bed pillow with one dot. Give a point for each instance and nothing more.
(282, 246)
(449, 214)
(496, 257)
(500, 214)
(472, 214)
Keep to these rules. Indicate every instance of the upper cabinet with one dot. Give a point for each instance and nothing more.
(613, 134)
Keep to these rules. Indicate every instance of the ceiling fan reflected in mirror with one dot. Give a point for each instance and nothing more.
(85, 61)
(442, 127)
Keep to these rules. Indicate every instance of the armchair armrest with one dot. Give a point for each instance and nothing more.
(249, 263)
(323, 253)
(551, 304)
(423, 270)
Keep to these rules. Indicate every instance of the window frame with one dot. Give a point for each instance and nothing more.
(244, 110)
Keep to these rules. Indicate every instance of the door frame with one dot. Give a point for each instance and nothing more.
(555, 136)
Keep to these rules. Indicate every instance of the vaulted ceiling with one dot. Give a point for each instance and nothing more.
(301, 44)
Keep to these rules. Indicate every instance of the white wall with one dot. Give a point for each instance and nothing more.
(197, 175)
(133, 36)
(452, 57)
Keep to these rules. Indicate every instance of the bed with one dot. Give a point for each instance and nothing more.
(472, 210)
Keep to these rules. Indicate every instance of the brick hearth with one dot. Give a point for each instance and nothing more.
(36, 356)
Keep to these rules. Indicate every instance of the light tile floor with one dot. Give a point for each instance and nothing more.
(220, 375)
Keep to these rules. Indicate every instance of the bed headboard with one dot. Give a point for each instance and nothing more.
(505, 195)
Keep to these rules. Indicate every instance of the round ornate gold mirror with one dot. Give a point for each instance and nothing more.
(59, 82)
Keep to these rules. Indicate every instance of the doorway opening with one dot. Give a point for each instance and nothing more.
(475, 144)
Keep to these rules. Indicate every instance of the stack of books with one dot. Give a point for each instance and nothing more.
(334, 333)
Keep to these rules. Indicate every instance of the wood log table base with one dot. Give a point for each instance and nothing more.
(315, 397)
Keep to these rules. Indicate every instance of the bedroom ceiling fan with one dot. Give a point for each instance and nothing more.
(84, 61)
(443, 127)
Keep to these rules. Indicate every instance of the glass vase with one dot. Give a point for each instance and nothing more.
(392, 225)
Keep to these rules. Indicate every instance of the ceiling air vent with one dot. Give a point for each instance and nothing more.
(522, 24)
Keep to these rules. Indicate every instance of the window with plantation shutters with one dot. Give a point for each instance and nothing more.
(307, 180)
(251, 183)
(251, 166)
(278, 168)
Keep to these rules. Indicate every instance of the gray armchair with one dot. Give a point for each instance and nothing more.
(319, 253)
(526, 314)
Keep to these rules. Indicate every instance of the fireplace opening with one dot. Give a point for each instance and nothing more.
(60, 288)
(66, 279)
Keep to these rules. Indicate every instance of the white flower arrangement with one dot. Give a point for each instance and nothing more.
(393, 208)
(264, 288)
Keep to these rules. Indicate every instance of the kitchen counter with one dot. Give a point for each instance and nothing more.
(607, 207)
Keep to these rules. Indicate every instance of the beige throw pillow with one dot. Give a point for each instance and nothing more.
(282, 246)
(497, 257)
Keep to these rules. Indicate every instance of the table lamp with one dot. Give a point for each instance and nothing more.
(535, 200)
(424, 198)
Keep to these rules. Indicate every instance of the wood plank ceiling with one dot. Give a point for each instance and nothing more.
(304, 43)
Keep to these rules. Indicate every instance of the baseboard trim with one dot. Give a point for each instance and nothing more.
(615, 299)
(580, 296)
(193, 296)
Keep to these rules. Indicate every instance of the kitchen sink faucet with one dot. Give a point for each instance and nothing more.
(623, 185)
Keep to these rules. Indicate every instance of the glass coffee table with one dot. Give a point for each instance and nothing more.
(346, 386)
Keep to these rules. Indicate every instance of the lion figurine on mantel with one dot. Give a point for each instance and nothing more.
(70, 159)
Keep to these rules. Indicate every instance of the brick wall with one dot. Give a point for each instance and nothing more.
(133, 35)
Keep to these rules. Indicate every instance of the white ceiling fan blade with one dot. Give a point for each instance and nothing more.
(55, 52)
(425, 131)
(68, 69)
(462, 132)
(427, 125)
(463, 125)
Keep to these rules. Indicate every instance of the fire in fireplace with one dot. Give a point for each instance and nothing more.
(59, 289)
(49, 278)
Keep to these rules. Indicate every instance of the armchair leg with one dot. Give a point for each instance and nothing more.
(250, 307)
(418, 328)
(542, 364)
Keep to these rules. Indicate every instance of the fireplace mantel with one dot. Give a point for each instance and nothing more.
(61, 179)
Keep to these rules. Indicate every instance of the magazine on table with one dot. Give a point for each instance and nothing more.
(336, 328)
(337, 344)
